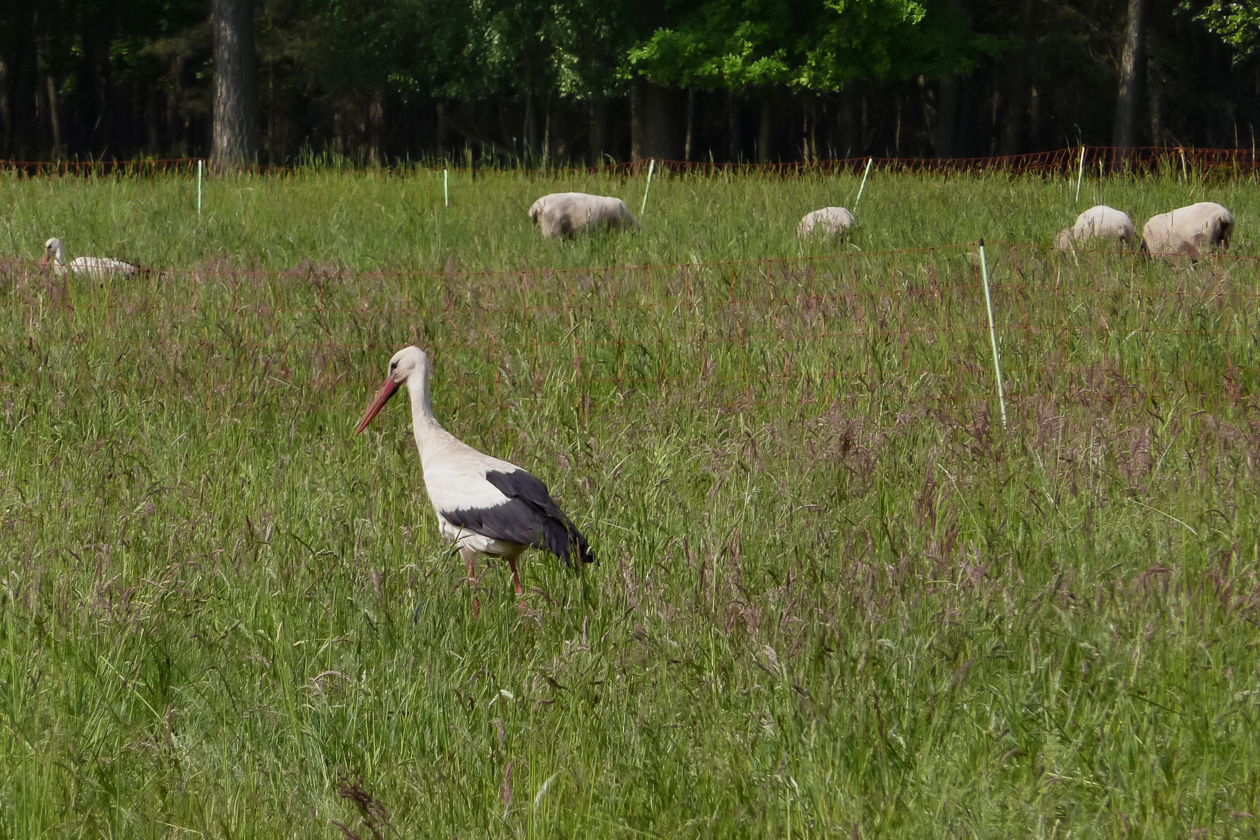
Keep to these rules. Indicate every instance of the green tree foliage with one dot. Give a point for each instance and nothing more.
(402, 47)
(721, 44)
(520, 46)
(128, 77)
(1236, 22)
(471, 49)
(817, 45)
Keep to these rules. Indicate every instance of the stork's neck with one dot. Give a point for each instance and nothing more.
(425, 426)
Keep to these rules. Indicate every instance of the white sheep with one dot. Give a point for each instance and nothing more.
(832, 221)
(1100, 222)
(1193, 231)
(566, 214)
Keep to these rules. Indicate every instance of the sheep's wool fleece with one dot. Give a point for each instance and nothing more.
(1192, 230)
(565, 214)
(833, 221)
(1100, 222)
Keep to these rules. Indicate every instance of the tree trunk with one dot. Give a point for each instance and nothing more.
(847, 122)
(1033, 135)
(376, 129)
(104, 132)
(532, 140)
(175, 138)
(691, 121)
(22, 72)
(53, 113)
(546, 143)
(732, 128)
(41, 112)
(946, 117)
(897, 134)
(1153, 98)
(763, 137)
(24, 87)
(813, 128)
(638, 121)
(805, 145)
(865, 137)
(652, 126)
(441, 131)
(153, 137)
(1124, 133)
(506, 130)
(1017, 90)
(969, 137)
(597, 132)
(235, 138)
(6, 114)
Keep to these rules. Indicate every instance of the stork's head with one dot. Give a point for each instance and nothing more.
(406, 363)
(53, 250)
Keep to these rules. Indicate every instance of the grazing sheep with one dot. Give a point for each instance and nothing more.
(1193, 231)
(566, 214)
(832, 221)
(1101, 222)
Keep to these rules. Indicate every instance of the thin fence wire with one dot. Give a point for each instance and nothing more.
(1095, 161)
(903, 327)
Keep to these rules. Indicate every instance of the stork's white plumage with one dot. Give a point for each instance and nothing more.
(89, 268)
(484, 505)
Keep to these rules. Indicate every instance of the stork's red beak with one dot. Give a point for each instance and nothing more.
(43, 261)
(387, 390)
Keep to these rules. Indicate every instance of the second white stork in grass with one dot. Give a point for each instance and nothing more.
(483, 505)
(89, 268)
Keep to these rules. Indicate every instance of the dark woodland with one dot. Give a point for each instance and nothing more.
(523, 83)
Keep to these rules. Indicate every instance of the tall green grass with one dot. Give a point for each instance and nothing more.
(374, 222)
(834, 597)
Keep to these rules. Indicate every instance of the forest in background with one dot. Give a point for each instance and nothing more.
(523, 82)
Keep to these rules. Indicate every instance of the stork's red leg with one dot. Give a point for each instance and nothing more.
(516, 578)
(469, 555)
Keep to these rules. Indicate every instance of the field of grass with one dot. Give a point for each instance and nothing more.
(399, 223)
(835, 597)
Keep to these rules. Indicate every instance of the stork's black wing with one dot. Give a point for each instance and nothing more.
(529, 517)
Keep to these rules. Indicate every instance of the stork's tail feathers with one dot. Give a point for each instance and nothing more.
(579, 542)
(552, 529)
(567, 541)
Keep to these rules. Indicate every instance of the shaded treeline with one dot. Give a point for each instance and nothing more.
(523, 82)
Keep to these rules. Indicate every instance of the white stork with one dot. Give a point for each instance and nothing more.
(89, 268)
(483, 505)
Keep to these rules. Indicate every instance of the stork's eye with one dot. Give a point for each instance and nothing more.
(392, 365)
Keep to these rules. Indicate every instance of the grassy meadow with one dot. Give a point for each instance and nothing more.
(835, 596)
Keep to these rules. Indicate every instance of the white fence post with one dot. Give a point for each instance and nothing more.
(858, 200)
(651, 166)
(1080, 174)
(988, 303)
